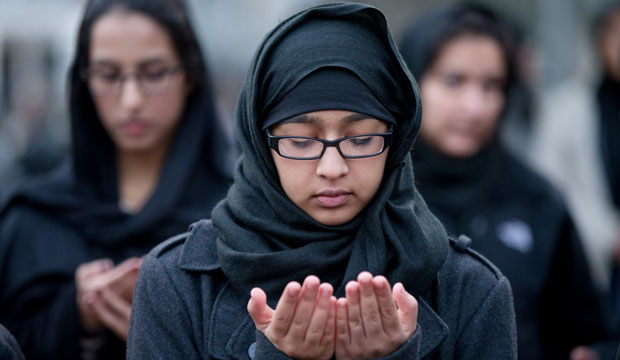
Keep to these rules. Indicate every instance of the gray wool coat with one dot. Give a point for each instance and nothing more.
(185, 308)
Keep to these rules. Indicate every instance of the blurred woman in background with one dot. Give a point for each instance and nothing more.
(147, 160)
(462, 58)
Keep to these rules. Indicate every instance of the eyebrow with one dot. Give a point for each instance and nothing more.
(142, 63)
(306, 119)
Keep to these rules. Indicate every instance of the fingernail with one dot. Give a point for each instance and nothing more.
(353, 290)
(293, 290)
(311, 285)
(379, 283)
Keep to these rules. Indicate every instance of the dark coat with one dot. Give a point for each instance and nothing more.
(518, 221)
(185, 308)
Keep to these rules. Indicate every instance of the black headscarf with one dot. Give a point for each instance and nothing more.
(266, 240)
(83, 191)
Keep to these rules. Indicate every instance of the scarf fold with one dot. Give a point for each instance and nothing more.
(265, 239)
(452, 185)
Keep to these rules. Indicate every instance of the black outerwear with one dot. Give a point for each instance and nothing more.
(519, 222)
(51, 225)
(186, 308)
(608, 96)
(263, 239)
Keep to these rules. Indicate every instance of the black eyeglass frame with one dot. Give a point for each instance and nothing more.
(272, 141)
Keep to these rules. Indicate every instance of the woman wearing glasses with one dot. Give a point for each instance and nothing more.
(147, 161)
(323, 231)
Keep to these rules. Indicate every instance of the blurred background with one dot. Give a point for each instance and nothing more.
(37, 40)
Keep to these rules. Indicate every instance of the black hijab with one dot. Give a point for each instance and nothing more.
(266, 240)
(83, 191)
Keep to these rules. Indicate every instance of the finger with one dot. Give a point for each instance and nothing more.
(304, 308)
(371, 317)
(126, 284)
(260, 312)
(88, 269)
(407, 309)
(316, 327)
(387, 307)
(124, 272)
(116, 304)
(285, 309)
(330, 327)
(343, 337)
(113, 312)
(354, 313)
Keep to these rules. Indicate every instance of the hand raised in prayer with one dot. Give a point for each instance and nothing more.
(373, 321)
(302, 325)
(104, 298)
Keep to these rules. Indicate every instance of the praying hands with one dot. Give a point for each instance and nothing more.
(309, 323)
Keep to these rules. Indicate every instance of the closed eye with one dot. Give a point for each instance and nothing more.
(299, 143)
(361, 141)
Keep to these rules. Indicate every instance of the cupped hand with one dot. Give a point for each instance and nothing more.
(303, 324)
(373, 321)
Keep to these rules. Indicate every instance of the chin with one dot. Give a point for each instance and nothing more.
(461, 149)
(135, 146)
(331, 218)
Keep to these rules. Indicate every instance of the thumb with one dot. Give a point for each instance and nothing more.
(407, 308)
(260, 312)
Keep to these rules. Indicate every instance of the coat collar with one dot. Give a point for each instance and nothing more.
(200, 250)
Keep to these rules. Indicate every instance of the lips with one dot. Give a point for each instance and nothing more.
(332, 198)
(134, 127)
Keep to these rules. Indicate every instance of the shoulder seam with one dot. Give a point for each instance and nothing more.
(170, 243)
(479, 257)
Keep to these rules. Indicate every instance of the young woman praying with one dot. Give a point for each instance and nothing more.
(323, 237)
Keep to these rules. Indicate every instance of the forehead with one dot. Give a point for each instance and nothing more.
(472, 54)
(328, 117)
(128, 38)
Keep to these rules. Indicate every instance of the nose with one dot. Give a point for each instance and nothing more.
(473, 102)
(131, 96)
(332, 165)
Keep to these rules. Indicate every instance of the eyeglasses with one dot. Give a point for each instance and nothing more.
(350, 147)
(106, 83)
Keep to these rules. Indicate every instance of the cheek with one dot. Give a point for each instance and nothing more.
(106, 110)
(166, 110)
(437, 110)
(293, 175)
(368, 174)
(496, 104)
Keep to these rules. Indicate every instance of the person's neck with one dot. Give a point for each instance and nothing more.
(138, 175)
